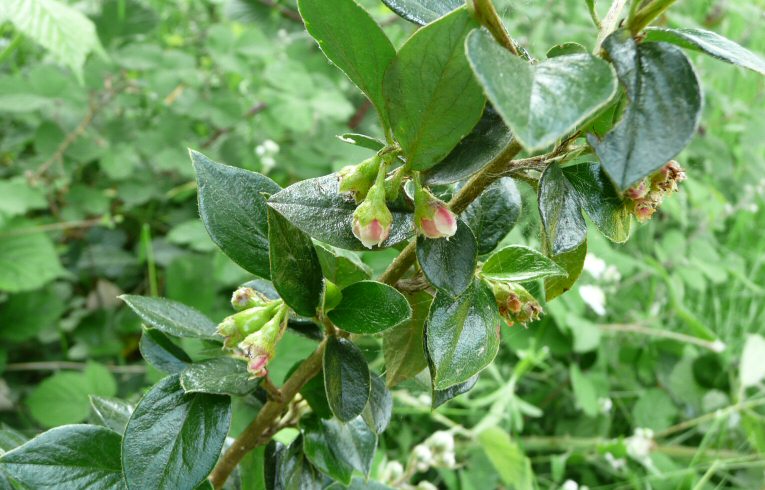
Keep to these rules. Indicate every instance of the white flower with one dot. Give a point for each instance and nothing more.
(392, 472)
(594, 297)
(423, 485)
(595, 266)
(441, 441)
(718, 346)
(423, 457)
(605, 404)
(569, 485)
(271, 146)
(616, 463)
(639, 445)
(268, 164)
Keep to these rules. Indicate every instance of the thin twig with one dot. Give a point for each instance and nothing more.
(58, 365)
(714, 346)
(610, 22)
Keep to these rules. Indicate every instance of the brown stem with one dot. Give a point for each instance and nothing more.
(257, 432)
(487, 15)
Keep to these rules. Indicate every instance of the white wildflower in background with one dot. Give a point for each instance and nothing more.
(639, 445)
(423, 457)
(718, 346)
(615, 463)
(569, 485)
(595, 298)
(605, 404)
(424, 485)
(266, 152)
(392, 472)
(594, 266)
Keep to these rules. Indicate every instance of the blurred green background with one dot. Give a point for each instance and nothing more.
(97, 198)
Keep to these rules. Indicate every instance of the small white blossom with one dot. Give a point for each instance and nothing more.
(595, 298)
(569, 485)
(718, 346)
(594, 266)
(606, 404)
(441, 441)
(616, 463)
(423, 457)
(639, 445)
(392, 472)
(424, 485)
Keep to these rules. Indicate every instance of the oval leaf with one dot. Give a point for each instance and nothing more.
(573, 263)
(403, 346)
(449, 263)
(353, 442)
(173, 439)
(439, 397)
(663, 112)
(543, 102)
(171, 317)
(431, 97)
(111, 412)
(517, 263)
(295, 269)
(159, 351)
(494, 214)
(340, 266)
(233, 209)
(346, 378)
(316, 207)
(81, 456)
(220, 376)
(379, 408)
(423, 11)
(318, 451)
(369, 307)
(462, 335)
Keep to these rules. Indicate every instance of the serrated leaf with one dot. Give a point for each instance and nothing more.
(72, 456)
(542, 102)
(171, 317)
(233, 209)
(439, 397)
(353, 41)
(403, 346)
(346, 378)
(316, 207)
(379, 408)
(493, 214)
(111, 412)
(431, 97)
(295, 269)
(710, 43)
(518, 263)
(422, 11)
(173, 439)
(662, 114)
(220, 376)
(159, 351)
(462, 335)
(449, 263)
(369, 307)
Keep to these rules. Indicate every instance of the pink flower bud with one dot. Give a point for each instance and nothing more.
(257, 366)
(643, 210)
(637, 191)
(371, 234)
(372, 218)
(432, 216)
(259, 347)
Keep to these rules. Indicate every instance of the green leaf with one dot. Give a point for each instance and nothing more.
(431, 97)
(27, 261)
(295, 269)
(566, 49)
(159, 351)
(585, 392)
(403, 346)
(572, 262)
(346, 378)
(462, 335)
(513, 467)
(543, 102)
(173, 439)
(291, 469)
(353, 442)
(233, 209)
(663, 111)
(449, 263)
(10, 439)
(316, 207)
(171, 317)
(379, 408)
(219, 376)
(422, 11)
(63, 397)
(353, 41)
(564, 192)
(370, 307)
(17, 197)
(68, 34)
(439, 397)
(72, 456)
(21, 317)
(494, 214)
(341, 267)
(316, 396)
(362, 141)
(654, 410)
(710, 43)
(518, 263)
(318, 451)
(111, 412)
(751, 367)
(488, 139)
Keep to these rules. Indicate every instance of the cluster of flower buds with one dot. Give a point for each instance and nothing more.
(645, 197)
(432, 216)
(372, 218)
(252, 332)
(515, 303)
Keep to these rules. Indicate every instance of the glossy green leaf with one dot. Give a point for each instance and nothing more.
(111, 412)
(543, 102)
(159, 351)
(462, 335)
(353, 41)
(319, 452)
(346, 378)
(233, 209)
(370, 307)
(316, 207)
(362, 140)
(10, 439)
(710, 43)
(379, 408)
(432, 99)
(488, 139)
(71, 456)
(518, 263)
(422, 11)
(439, 397)
(173, 438)
(316, 396)
(573, 263)
(352, 441)
(449, 263)
(291, 469)
(295, 269)
(494, 214)
(566, 49)
(171, 317)
(342, 267)
(221, 376)
(663, 111)
(403, 346)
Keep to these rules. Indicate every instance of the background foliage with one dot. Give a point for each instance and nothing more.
(97, 198)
